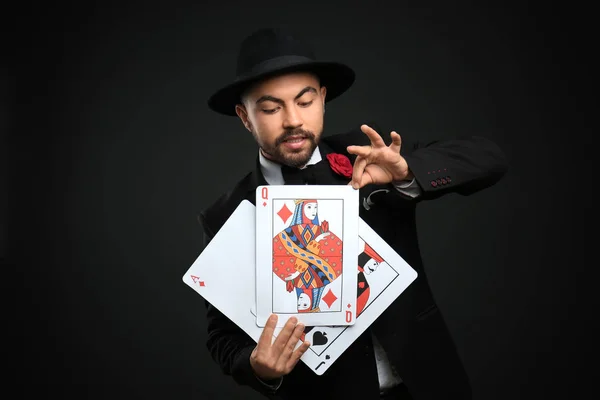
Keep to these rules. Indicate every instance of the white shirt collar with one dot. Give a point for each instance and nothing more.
(272, 171)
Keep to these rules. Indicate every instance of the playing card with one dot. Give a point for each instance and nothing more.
(382, 275)
(306, 247)
(224, 273)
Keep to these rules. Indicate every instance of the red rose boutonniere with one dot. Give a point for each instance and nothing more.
(340, 164)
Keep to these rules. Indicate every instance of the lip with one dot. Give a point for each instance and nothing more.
(294, 142)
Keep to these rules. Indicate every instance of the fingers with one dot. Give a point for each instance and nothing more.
(293, 340)
(361, 151)
(264, 341)
(365, 151)
(285, 334)
(357, 171)
(288, 357)
(396, 141)
(297, 355)
(275, 360)
(376, 140)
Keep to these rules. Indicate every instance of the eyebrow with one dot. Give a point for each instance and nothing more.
(279, 101)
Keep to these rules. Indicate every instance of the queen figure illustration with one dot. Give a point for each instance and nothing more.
(307, 256)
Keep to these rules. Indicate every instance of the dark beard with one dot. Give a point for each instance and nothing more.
(295, 159)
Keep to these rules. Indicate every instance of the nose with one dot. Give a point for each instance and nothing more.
(292, 118)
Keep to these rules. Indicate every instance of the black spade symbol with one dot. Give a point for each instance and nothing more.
(319, 338)
(327, 357)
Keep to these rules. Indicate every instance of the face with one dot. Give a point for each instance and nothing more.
(310, 210)
(370, 266)
(303, 302)
(285, 115)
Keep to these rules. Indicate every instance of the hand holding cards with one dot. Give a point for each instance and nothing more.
(272, 359)
(303, 252)
(382, 275)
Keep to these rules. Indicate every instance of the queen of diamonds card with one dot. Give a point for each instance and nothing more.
(306, 235)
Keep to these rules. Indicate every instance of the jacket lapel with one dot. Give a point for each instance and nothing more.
(255, 180)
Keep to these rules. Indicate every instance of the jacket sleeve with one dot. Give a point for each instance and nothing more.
(229, 346)
(463, 165)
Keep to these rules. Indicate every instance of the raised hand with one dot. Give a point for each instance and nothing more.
(378, 163)
(274, 359)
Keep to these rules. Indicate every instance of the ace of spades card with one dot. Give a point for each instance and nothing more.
(382, 275)
(306, 245)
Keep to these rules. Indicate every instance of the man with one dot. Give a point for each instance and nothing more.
(279, 95)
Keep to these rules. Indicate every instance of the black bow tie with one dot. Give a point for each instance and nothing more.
(311, 175)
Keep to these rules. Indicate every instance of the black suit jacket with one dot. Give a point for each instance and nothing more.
(412, 330)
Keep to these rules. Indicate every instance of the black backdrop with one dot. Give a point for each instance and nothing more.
(113, 152)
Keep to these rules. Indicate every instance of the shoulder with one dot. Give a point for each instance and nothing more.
(216, 214)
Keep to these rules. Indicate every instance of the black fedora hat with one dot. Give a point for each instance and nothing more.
(272, 51)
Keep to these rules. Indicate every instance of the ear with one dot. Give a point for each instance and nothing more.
(240, 110)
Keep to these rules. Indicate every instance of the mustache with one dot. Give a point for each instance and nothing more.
(296, 132)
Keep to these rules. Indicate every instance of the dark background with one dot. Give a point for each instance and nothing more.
(113, 151)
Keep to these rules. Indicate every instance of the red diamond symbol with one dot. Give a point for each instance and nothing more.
(197, 280)
(284, 213)
(264, 203)
(329, 298)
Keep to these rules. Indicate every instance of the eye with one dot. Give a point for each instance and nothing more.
(306, 104)
(270, 111)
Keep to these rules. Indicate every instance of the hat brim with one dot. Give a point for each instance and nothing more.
(335, 76)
